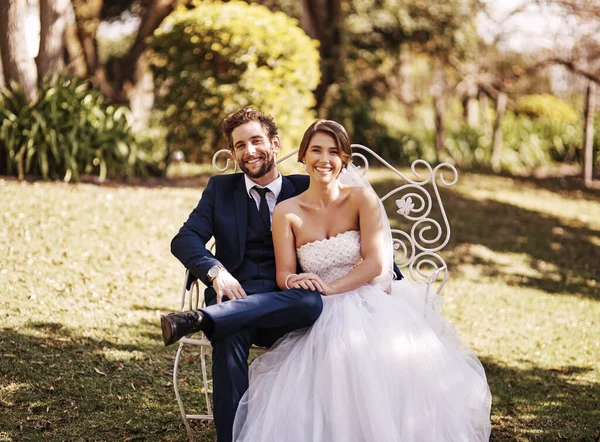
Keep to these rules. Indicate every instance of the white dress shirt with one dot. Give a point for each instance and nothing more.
(273, 186)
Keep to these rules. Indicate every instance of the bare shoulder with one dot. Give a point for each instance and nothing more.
(362, 195)
(287, 206)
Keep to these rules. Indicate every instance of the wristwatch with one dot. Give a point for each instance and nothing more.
(215, 271)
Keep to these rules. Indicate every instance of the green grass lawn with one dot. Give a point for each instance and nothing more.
(86, 269)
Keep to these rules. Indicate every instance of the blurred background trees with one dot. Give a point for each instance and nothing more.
(465, 81)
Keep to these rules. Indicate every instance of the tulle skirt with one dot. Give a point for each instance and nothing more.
(373, 368)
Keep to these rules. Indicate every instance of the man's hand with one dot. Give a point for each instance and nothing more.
(226, 285)
(309, 281)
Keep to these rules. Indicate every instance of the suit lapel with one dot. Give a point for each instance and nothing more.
(288, 189)
(240, 200)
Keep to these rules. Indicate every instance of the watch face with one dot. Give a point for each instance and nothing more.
(214, 272)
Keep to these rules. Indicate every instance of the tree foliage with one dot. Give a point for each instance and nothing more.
(381, 38)
(212, 59)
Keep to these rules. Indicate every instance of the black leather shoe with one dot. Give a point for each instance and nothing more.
(176, 325)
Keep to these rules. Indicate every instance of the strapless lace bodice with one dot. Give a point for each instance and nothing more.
(331, 258)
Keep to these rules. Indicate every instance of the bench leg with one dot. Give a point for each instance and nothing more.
(177, 395)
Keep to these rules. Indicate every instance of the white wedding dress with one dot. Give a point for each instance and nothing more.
(373, 368)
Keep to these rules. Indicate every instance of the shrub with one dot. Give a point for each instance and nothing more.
(531, 143)
(66, 132)
(547, 107)
(212, 59)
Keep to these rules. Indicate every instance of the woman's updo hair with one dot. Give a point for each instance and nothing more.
(333, 129)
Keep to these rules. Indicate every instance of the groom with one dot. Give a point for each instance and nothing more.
(236, 209)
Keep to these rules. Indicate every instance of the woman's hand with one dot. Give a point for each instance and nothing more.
(309, 281)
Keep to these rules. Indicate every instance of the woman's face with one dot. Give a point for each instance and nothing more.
(322, 158)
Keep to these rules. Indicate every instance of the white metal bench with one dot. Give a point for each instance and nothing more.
(420, 229)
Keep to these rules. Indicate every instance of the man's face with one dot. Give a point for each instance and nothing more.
(253, 151)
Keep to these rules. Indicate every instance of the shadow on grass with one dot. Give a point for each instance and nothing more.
(563, 256)
(57, 385)
(542, 404)
(545, 239)
(564, 185)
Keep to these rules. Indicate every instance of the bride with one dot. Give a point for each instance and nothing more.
(372, 368)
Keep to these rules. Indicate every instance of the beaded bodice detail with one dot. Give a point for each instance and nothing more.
(331, 258)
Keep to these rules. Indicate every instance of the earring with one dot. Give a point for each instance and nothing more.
(344, 169)
(304, 167)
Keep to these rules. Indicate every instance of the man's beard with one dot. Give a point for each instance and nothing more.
(267, 165)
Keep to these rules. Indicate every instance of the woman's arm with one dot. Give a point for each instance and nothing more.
(371, 239)
(284, 244)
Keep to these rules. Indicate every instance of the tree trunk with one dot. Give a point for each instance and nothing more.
(18, 66)
(406, 89)
(132, 77)
(473, 111)
(87, 20)
(322, 20)
(470, 103)
(440, 129)
(588, 146)
(156, 12)
(497, 136)
(438, 91)
(1, 73)
(140, 93)
(73, 46)
(52, 30)
(486, 119)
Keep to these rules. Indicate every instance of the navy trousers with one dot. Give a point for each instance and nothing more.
(261, 319)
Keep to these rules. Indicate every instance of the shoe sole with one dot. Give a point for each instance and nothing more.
(167, 331)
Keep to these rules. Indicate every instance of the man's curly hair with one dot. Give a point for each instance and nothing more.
(245, 115)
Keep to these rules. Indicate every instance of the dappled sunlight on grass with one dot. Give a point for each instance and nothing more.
(533, 403)
(477, 260)
(594, 240)
(9, 391)
(80, 260)
(506, 190)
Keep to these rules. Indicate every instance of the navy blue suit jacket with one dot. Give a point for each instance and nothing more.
(223, 213)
